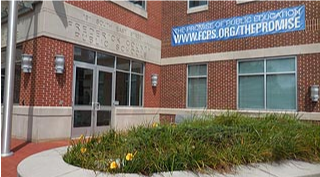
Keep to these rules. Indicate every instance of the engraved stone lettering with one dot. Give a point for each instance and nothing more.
(113, 38)
(91, 32)
(84, 33)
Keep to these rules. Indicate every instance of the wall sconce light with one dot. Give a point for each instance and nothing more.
(26, 63)
(154, 80)
(314, 93)
(59, 64)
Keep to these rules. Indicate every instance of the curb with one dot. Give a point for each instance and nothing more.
(50, 164)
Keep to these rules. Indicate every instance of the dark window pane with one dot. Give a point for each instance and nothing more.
(17, 82)
(136, 90)
(84, 55)
(2, 83)
(104, 118)
(105, 88)
(83, 94)
(17, 75)
(82, 119)
(197, 3)
(105, 60)
(137, 67)
(123, 64)
(122, 88)
(139, 3)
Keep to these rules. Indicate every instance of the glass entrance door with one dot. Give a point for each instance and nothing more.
(92, 100)
(104, 100)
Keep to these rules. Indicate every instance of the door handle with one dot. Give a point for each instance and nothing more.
(97, 106)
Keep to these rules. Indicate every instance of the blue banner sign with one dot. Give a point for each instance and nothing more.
(270, 22)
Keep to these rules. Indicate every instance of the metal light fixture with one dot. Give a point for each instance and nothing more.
(26, 63)
(154, 80)
(314, 93)
(59, 64)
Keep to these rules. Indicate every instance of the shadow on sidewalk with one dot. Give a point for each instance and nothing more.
(20, 146)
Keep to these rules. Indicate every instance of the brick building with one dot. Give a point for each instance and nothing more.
(112, 49)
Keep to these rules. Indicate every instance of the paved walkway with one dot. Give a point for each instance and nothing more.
(22, 150)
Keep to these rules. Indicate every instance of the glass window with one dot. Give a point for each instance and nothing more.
(84, 55)
(82, 119)
(105, 60)
(103, 118)
(281, 65)
(197, 70)
(272, 88)
(281, 91)
(17, 75)
(129, 82)
(136, 90)
(122, 88)
(2, 83)
(251, 93)
(17, 82)
(193, 4)
(137, 67)
(197, 85)
(123, 64)
(84, 86)
(251, 67)
(141, 4)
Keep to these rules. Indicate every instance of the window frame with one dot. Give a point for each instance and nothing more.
(201, 8)
(115, 70)
(265, 74)
(195, 77)
(245, 1)
(130, 76)
(137, 9)
(143, 6)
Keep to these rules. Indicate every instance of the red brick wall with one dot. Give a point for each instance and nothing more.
(222, 85)
(175, 14)
(151, 94)
(308, 74)
(173, 87)
(43, 87)
(116, 13)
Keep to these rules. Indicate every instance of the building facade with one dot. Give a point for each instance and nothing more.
(132, 63)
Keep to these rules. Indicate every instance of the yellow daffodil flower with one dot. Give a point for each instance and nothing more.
(155, 125)
(129, 157)
(83, 150)
(81, 137)
(113, 165)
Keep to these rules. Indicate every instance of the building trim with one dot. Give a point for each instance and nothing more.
(154, 112)
(244, 54)
(41, 123)
(80, 27)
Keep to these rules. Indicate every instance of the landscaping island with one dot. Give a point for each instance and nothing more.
(198, 144)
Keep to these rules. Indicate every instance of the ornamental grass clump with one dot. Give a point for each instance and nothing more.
(216, 142)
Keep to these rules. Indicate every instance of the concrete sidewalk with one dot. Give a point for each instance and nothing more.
(50, 164)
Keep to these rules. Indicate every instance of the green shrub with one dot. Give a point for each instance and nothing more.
(208, 142)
